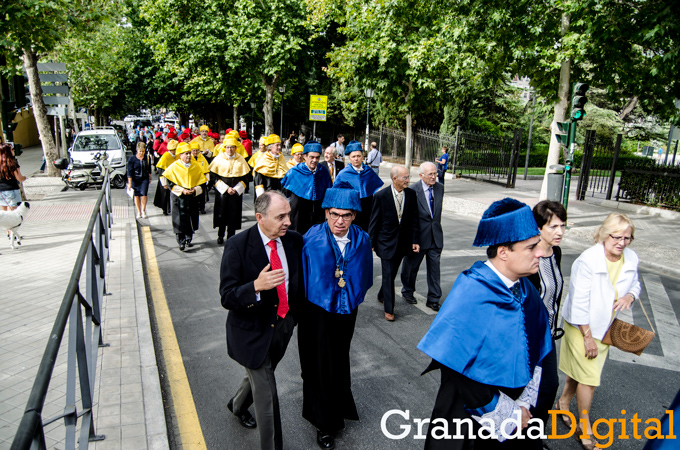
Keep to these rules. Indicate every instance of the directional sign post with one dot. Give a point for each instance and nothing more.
(318, 105)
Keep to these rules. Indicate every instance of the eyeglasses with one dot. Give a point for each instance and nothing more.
(433, 174)
(625, 239)
(336, 216)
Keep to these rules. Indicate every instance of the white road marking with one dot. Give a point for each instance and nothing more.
(666, 326)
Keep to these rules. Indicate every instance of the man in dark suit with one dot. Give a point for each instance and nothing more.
(430, 196)
(333, 165)
(394, 231)
(260, 283)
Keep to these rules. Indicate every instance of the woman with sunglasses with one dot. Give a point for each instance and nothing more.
(604, 281)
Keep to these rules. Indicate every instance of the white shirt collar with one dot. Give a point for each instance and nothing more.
(358, 170)
(265, 239)
(507, 281)
(425, 186)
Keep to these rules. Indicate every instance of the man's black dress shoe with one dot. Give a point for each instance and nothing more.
(247, 420)
(325, 441)
(189, 244)
(220, 240)
(433, 306)
(410, 300)
(181, 247)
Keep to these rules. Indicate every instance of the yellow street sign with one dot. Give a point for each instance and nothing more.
(317, 107)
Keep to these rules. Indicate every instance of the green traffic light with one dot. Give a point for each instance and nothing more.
(578, 114)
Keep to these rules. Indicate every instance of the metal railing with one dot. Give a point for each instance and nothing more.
(83, 340)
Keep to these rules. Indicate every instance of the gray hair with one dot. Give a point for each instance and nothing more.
(422, 167)
(264, 201)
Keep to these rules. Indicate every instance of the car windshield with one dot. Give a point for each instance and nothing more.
(95, 142)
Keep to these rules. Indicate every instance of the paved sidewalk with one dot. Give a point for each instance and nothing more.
(128, 406)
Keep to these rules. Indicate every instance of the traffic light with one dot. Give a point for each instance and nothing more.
(563, 135)
(578, 101)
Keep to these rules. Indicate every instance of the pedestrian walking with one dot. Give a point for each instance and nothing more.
(139, 177)
(333, 165)
(394, 232)
(161, 198)
(551, 218)
(338, 272)
(270, 167)
(229, 171)
(10, 177)
(430, 195)
(185, 179)
(307, 183)
(443, 164)
(261, 286)
(362, 179)
(374, 158)
(339, 147)
(604, 281)
(490, 336)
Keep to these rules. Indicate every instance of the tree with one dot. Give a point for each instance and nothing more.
(31, 29)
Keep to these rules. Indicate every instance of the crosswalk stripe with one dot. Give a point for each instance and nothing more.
(667, 330)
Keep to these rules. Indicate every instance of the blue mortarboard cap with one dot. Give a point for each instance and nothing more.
(506, 221)
(312, 146)
(342, 196)
(353, 146)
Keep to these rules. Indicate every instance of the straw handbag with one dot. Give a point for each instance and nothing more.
(628, 337)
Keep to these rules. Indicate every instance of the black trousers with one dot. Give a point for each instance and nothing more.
(390, 268)
(409, 273)
(324, 341)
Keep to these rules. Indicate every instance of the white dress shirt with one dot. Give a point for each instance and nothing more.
(281, 253)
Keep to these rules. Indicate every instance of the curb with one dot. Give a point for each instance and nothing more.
(154, 412)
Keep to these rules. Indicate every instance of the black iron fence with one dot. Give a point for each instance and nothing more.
(650, 184)
(598, 166)
(486, 157)
(83, 341)
(473, 155)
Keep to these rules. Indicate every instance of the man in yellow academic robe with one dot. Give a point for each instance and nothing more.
(203, 163)
(161, 198)
(204, 142)
(296, 156)
(185, 178)
(229, 170)
(270, 167)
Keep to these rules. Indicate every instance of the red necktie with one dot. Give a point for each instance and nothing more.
(282, 310)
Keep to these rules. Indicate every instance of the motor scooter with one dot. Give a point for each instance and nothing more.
(77, 178)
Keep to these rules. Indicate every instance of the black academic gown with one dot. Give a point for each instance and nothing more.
(161, 198)
(228, 208)
(184, 213)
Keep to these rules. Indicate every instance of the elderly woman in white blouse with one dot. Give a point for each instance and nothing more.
(604, 280)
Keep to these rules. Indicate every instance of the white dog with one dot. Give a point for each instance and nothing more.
(12, 220)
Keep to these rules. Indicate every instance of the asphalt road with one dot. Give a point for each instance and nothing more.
(386, 365)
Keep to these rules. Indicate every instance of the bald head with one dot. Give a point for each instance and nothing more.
(400, 178)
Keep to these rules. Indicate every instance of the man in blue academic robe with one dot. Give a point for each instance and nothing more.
(337, 264)
(490, 337)
(362, 179)
(307, 183)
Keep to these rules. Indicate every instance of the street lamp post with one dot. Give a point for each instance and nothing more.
(369, 95)
(253, 105)
(282, 90)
